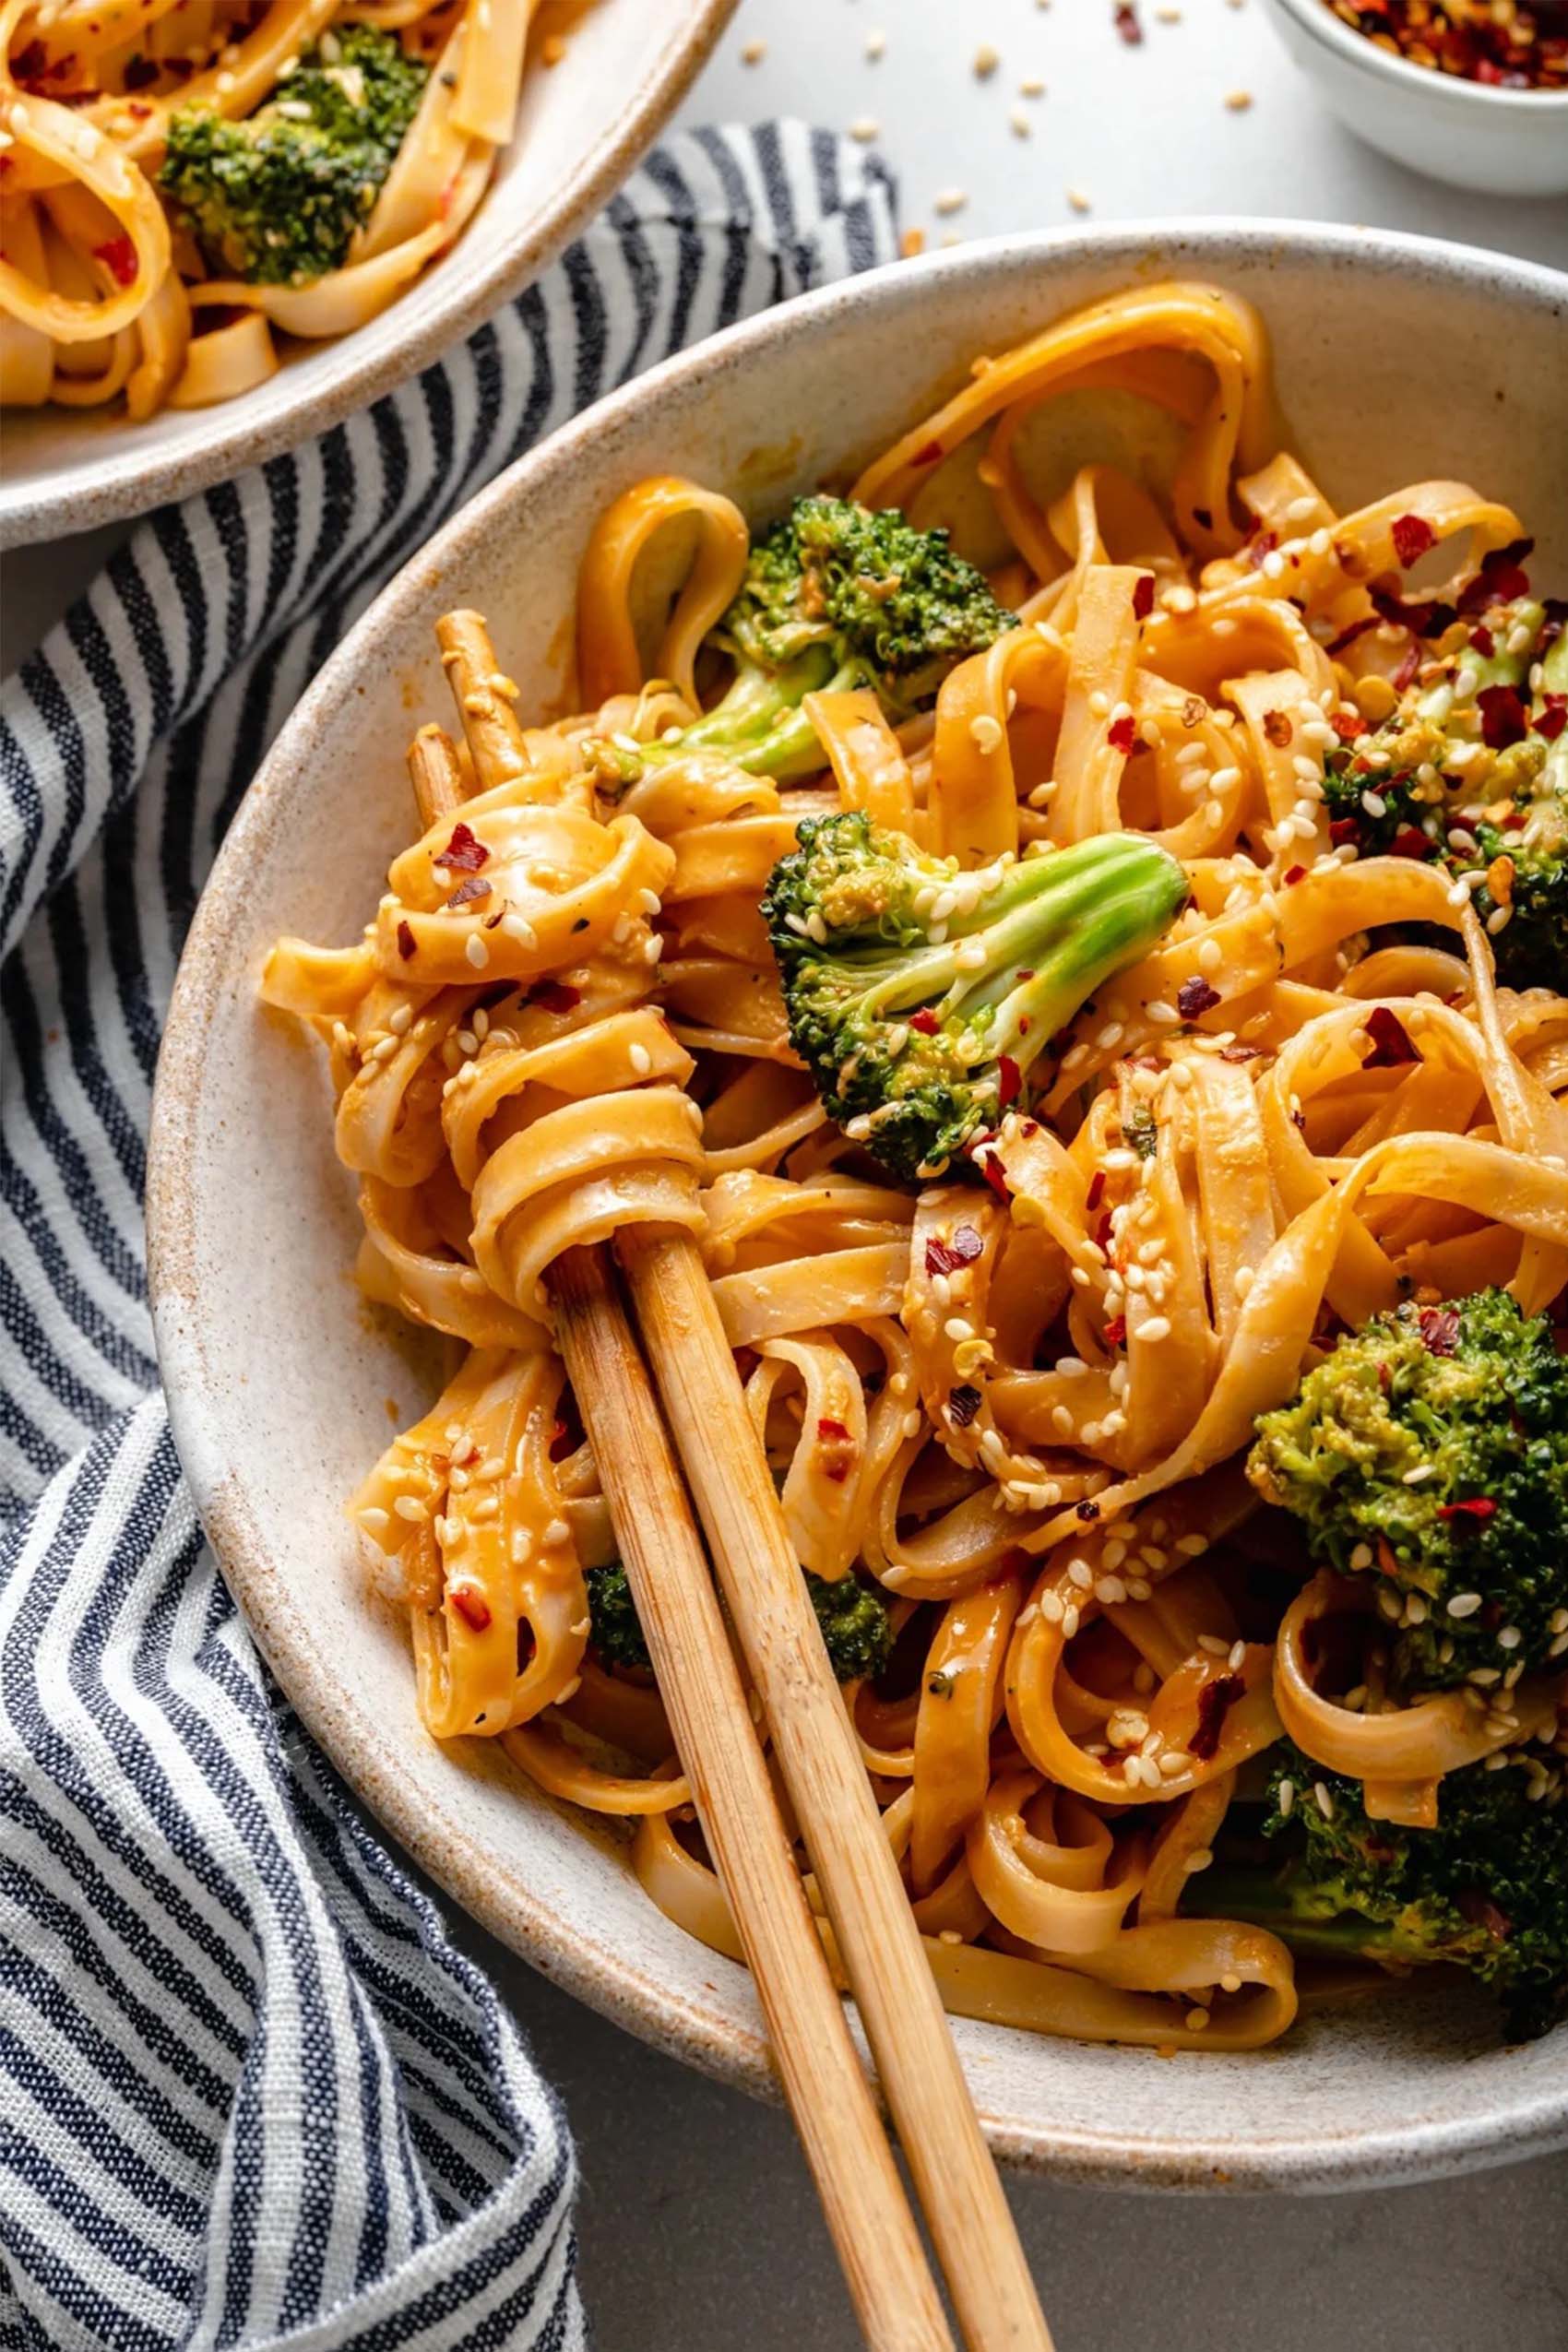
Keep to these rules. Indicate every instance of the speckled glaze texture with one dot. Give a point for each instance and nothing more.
(1473, 135)
(582, 126)
(282, 1389)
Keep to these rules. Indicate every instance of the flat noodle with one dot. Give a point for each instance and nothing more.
(1018, 1407)
(87, 95)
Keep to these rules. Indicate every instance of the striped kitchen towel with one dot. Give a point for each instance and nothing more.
(249, 2092)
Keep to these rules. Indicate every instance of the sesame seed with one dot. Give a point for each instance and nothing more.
(1196, 2020)
(753, 52)
(1509, 1638)
(476, 951)
(1238, 101)
(949, 200)
(1051, 1607)
(1324, 1802)
(1461, 1604)
(1237, 1657)
(866, 127)
(1019, 123)
(987, 60)
(876, 45)
(1154, 1328)
(1078, 201)
(1199, 1858)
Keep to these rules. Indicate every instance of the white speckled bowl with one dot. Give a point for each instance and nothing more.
(1474, 135)
(1397, 358)
(582, 126)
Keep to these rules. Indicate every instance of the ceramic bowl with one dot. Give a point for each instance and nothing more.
(582, 126)
(282, 1389)
(1503, 142)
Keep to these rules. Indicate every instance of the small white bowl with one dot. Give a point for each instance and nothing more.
(1502, 142)
(583, 124)
(279, 1387)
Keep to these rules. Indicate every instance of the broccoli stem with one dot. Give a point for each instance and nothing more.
(1051, 930)
(1259, 1900)
(759, 724)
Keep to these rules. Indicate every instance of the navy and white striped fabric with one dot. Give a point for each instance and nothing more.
(249, 2093)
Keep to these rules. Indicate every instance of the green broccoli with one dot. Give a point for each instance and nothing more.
(1471, 767)
(276, 198)
(835, 596)
(855, 1625)
(615, 1628)
(1487, 1890)
(1432, 1447)
(919, 997)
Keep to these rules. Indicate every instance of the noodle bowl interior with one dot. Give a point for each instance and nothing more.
(1151, 1326)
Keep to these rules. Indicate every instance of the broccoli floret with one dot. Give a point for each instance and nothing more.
(1487, 1890)
(616, 1628)
(1431, 1450)
(1470, 768)
(920, 996)
(837, 596)
(276, 198)
(855, 1625)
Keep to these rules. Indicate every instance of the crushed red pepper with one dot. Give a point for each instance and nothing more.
(1480, 40)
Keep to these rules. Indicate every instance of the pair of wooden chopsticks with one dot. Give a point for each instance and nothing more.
(873, 2227)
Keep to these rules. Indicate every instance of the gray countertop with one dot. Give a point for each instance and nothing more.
(699, 2228)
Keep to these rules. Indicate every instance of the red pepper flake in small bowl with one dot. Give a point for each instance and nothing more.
(1505, 46)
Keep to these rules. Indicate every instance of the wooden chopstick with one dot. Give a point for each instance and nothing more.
(965, 2206)
(872, 2228)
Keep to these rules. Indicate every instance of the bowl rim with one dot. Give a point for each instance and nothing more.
(1318, 21)
(612, 1980)
(106, 484)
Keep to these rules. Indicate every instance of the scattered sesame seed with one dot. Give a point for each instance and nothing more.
(1238, 101)
(987, 60)
(753, 52)
(1078, 201)
(866, 127)
(949, 200)
(876, 45)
